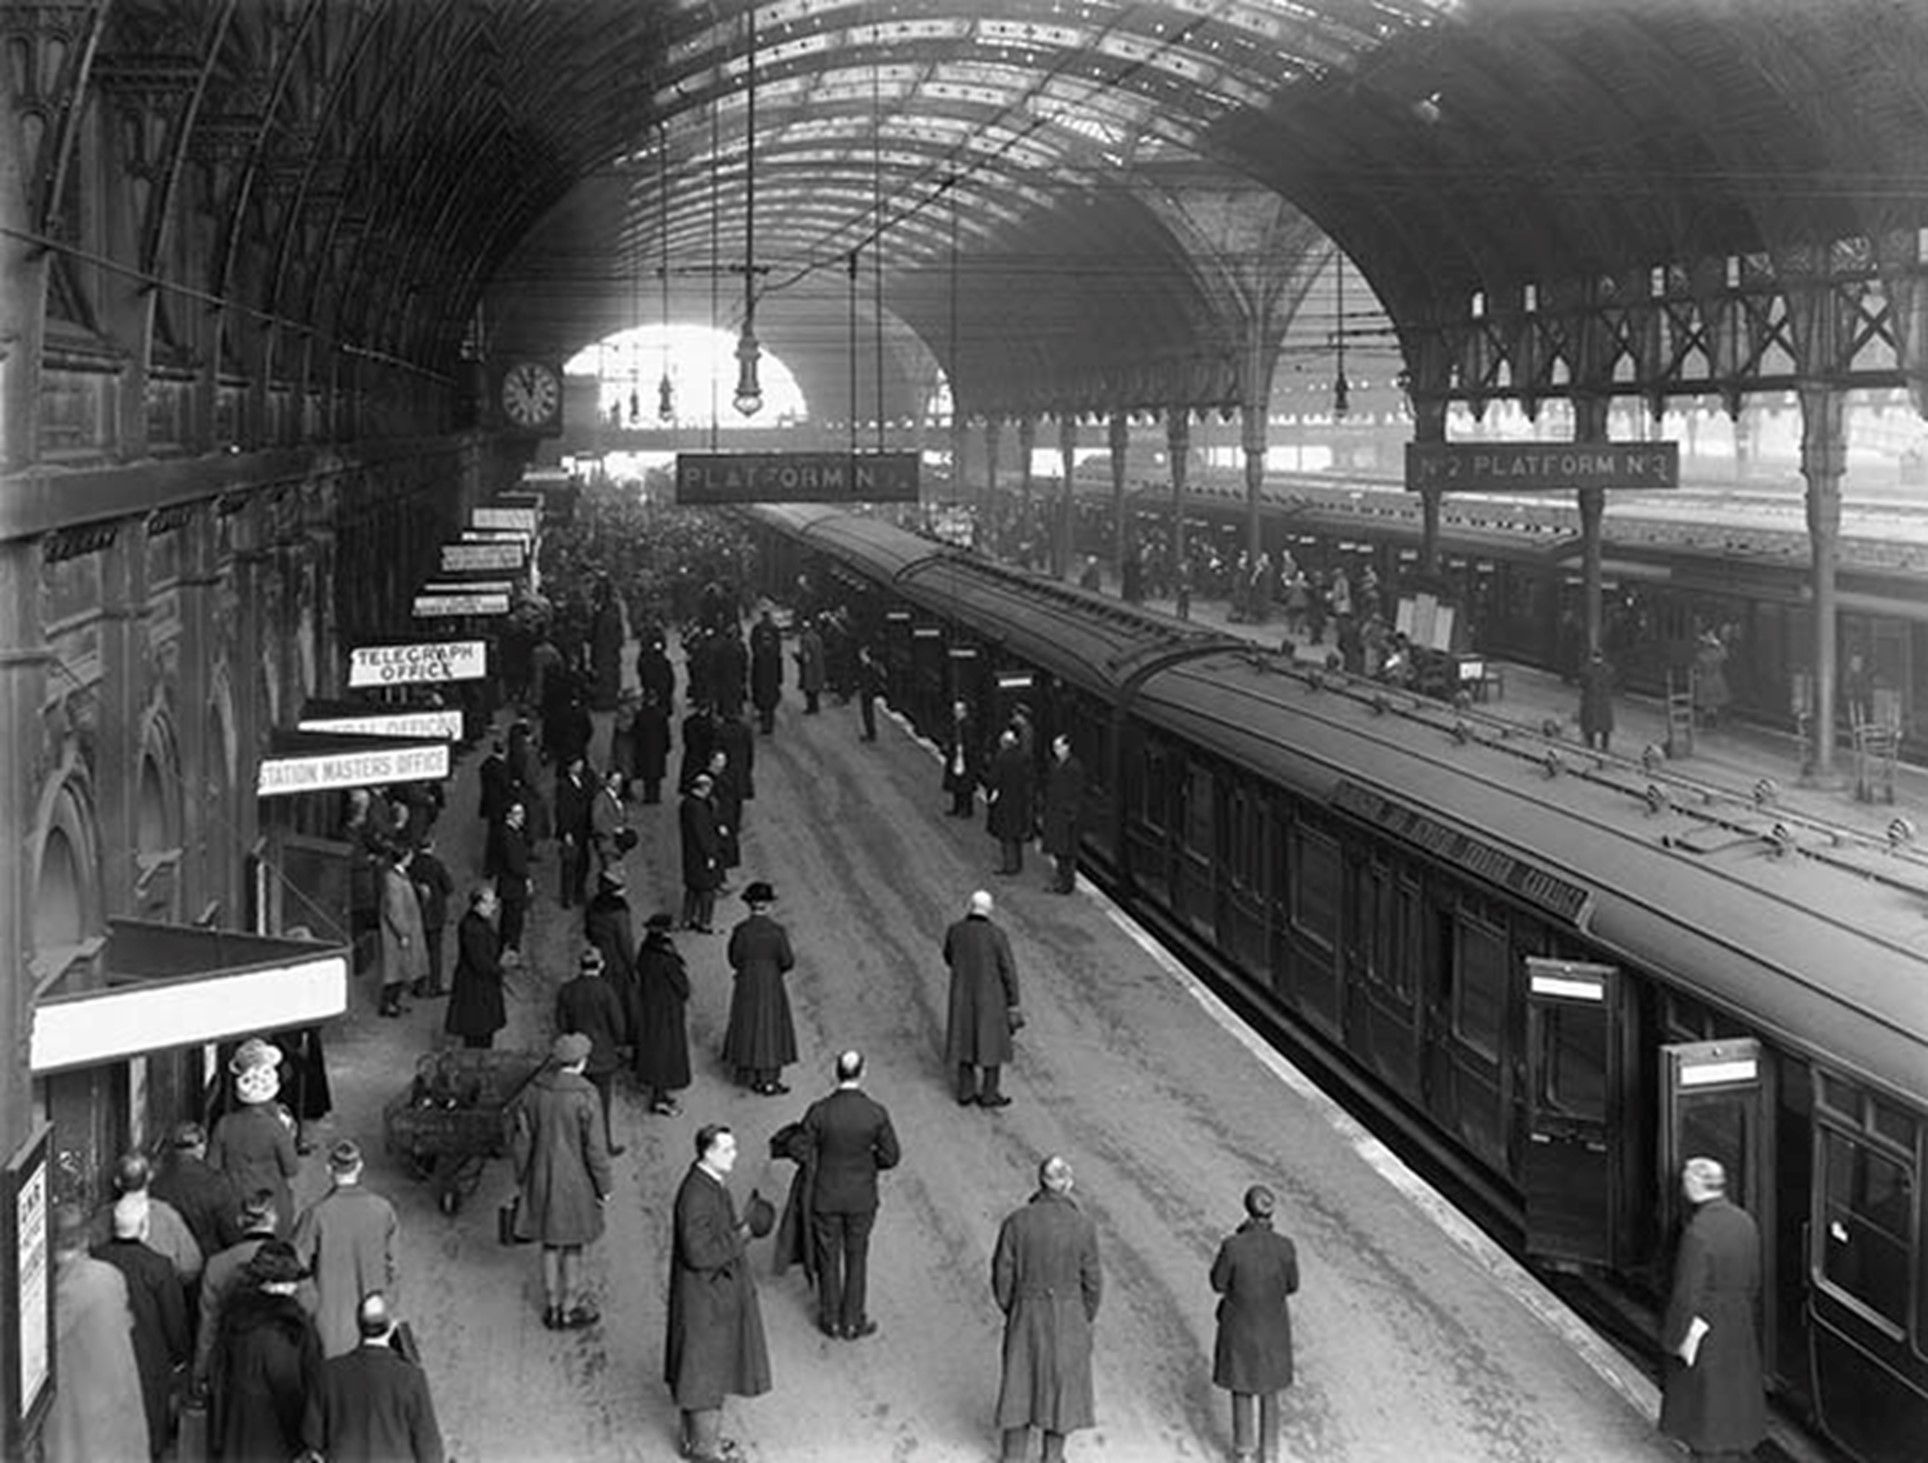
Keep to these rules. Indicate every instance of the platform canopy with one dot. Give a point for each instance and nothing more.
(508, 177)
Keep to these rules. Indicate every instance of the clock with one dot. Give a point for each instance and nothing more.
(531, 396)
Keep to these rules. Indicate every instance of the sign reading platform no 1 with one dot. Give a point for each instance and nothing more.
(1535, 467)
(796, 477)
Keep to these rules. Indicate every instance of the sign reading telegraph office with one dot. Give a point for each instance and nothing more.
(400, 665)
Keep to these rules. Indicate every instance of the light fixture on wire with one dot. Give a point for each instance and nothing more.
(749, 393)
(1341, 388)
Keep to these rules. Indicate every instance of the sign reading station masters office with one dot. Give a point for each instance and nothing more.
(796, 477)
(398, 665)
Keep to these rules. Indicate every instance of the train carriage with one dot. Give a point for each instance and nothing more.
(1550, 976)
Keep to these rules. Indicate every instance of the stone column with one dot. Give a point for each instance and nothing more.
(1027, 447)
(993, 520)
(1590, 425)
(1061, 515)
(1118, 440)
(1824, 455)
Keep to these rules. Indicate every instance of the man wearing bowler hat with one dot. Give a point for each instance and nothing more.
(762, 1037)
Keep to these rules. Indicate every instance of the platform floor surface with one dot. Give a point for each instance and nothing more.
(1412, 1342)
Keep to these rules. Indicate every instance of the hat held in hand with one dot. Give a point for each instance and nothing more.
(760, 1214)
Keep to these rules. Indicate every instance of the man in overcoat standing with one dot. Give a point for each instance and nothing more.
(508, 864)
(562, 1177)
(476, 1007)
(851, 1141)
(702, 848)
(591, 1005)
(1011, 814)
(1711, 1396)
(984, 1007)
(766, 671)
(1064, 798)
(1252, 1358)
(1047, 1280)
(762, 1036)
(961, 759)
(714, 1345)
(349, 1240)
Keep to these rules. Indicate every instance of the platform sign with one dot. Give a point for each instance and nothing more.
(468, 586)
(501, 519)
(369, 766)
(796, 477)
(417, 724)
(399, 665)
(484, 558)
(1540, 467)
(435, 606)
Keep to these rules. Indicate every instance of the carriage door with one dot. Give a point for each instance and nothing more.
(1715, 1102)
(1570, 1177)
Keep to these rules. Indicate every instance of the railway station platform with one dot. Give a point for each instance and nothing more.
(1751, 764)
(1415, 1337)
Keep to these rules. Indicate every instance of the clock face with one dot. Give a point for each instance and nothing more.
(531, 394)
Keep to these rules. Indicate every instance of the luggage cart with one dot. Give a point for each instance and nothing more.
(454, 1116)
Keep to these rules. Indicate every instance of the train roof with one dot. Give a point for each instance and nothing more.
(1813, 936)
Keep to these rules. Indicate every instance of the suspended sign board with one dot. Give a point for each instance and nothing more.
(428, 723)
(507, 520)
(397, 665)
(1537, 467)
(796, 477)
(434, 606)
(468, 586)
(484, 558)
(364, 766)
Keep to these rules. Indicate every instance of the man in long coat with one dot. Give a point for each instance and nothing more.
(655, 673)
(507, 862)
(766, 672)
(733, 738)
(1711, 1395)
(652, 746)
(1252, 1356)
(1011, 815)
(159, 1311)
(851, 1141)
(983, 1003)
(1046, 1277)
(1064, 797)
(657, 1025)
(574, 795)
(714, 1345)
(97, 1410)
(607, 925)
(349, 1240)
(962, 758)
(702, 849)
(591, 1005)
(562, 1177)
(476, 1008)
(373, 1402)
(404, 945)
(762, 1037)
(726, 797)
(811, 669)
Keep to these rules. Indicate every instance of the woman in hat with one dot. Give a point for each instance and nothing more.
(657, 1024)
(254, 1144)
(266, 1361)
(606, 925)
(762, 1037)
(562, 1177)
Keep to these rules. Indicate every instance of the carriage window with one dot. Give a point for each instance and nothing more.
(1572, 1060)
(1479, 994)
(1869, 1204)
(1315, 886)
(1153, 789)
(1245, 859)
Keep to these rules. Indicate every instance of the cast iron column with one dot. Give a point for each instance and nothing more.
(1118, 439)
(1061, 519)
(1824, 452)
(1590, 425)
(1178, 443)
(1429, 425)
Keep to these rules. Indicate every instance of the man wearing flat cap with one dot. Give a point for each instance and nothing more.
(562, 1177)
(350, 1241)
(1254, 1273)
(591, 1005)
(762, 1036)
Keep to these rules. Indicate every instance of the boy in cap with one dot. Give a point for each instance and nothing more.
(562, 1177)
(348, 1239)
